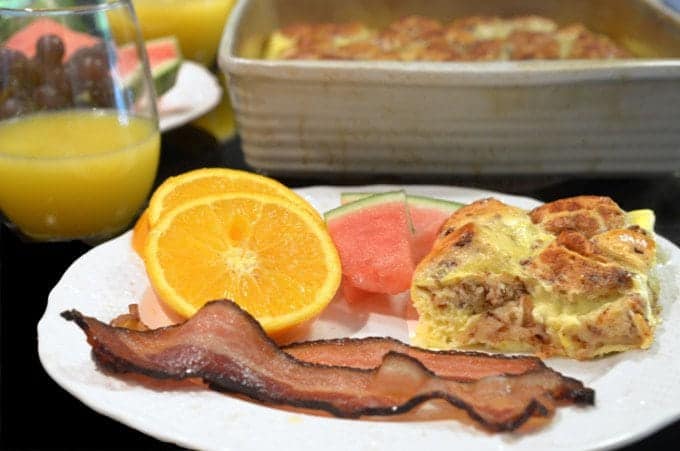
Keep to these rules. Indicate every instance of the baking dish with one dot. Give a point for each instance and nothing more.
(529, 117)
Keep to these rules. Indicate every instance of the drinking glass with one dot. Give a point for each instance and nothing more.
(79, 138)
(197, 24)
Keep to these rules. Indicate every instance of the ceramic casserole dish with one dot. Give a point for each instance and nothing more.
(302, 117)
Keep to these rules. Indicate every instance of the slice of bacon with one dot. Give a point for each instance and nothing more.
(367, 353)
(228, 349)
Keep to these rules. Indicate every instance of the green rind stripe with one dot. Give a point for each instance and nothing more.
(365, 202)
(433, 202)
(430, 202)
(165, 76)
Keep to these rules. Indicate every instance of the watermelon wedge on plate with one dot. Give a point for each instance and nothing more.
(374, 237)
(427, 216)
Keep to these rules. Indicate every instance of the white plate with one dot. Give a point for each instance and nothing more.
(196, 92)
(637, 392)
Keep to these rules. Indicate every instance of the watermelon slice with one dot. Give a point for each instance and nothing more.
(165, 59)
(374, 239)
(427, 215)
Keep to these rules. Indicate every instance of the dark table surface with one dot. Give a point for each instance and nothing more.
(35, 413)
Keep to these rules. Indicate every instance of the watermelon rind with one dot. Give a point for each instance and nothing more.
(367, 202)
(347, 197)
(411, 199)
(165, 74)
(433, 202)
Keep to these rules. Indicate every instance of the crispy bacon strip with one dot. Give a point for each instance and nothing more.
(228, 349)
(369, 352)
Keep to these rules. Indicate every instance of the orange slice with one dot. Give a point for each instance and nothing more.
(209, 181)
(140, 233)
(270, 256)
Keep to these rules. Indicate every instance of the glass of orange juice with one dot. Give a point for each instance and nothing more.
(79, 138)
(197, 24)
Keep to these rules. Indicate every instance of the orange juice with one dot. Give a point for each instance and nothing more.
(76, 174)
(197, 24)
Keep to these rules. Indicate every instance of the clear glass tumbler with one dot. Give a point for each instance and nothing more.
(197, 24)
(79, 137)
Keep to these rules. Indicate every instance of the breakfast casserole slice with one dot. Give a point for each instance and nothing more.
(570, 278)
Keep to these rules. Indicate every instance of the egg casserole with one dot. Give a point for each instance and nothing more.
(417, 38)
(570, 278)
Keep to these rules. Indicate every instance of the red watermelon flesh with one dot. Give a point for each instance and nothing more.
(374, 239)
(24, 40)
(427, 216)
(356, 295)
(164, 49)
(159, 51)
(427, 226)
